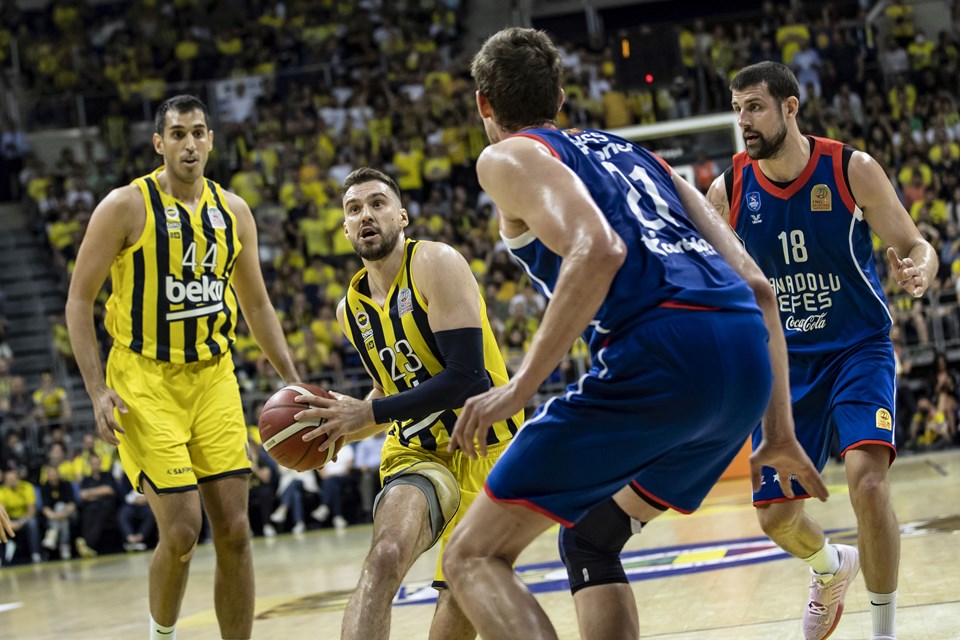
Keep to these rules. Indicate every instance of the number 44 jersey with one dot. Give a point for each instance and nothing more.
(810, 239)
(668, 264)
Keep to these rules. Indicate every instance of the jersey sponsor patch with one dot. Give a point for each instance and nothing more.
(171, 213)
(884, 420)
(821, 198)
(216, 218)
(404, 301)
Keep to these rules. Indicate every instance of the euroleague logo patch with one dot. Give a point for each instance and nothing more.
(753, 201)
(821, 198)
(404, 301)
(884, 420)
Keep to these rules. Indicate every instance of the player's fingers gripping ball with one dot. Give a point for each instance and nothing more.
(282, 434)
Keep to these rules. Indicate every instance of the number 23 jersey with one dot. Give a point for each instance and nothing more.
(810, 239)
(399, 351)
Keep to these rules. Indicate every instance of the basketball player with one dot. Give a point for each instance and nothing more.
(415, 314)
(632, 257)
(181, 253)
(804, 208)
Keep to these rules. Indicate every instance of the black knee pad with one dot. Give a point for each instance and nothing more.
(591, 550)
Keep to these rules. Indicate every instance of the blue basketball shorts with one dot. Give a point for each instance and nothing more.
(852, 393)
(667, 404)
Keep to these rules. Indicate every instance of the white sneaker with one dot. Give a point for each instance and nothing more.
(269, 531)
(50, 539)
(64, 552)
(827, 594)
(339, 522)
(35, 558)
(321, 513)
(9, 551)
(299, 528)
(280, 515)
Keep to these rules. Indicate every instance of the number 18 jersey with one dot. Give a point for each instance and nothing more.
(810, 239)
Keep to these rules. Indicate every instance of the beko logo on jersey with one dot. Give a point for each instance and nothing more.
(206, 289)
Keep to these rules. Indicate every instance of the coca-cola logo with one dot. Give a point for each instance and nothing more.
(810, 323)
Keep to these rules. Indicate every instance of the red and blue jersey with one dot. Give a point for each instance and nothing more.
(810, 239)
(668, 263)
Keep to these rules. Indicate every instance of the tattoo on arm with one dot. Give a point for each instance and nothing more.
(719, 202)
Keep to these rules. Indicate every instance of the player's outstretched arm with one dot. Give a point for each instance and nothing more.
(912, 259)
(779, 448)
(111, 226)
(252, 294)
(535, 191)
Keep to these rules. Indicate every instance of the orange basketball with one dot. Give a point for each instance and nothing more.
(282, 435)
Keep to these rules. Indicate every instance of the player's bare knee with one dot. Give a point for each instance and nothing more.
(870, 490)
(457, 561)
(591, 550)
(232, 536)
(386, 561)
(181, 538)
(779, 519)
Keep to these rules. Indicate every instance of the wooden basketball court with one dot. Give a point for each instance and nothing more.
(710, 575)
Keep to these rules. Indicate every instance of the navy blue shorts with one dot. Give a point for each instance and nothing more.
(667, 405)
(851, 392)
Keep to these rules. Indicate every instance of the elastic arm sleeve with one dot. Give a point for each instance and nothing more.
(463, 376)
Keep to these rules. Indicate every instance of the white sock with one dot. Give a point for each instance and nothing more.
(883, 611)
(160, 632)
(826, 561)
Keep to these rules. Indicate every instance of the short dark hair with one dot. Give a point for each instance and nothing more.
(519, 71)
(180, 104)
(368, 174)
(780, 81)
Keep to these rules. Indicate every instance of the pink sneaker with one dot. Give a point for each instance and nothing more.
(826, 598)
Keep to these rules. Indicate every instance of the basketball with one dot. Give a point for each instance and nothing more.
(281, 434)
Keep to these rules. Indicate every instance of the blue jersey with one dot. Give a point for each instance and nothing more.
(668, 262)
(811, 241)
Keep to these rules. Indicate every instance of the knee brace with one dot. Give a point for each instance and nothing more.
(438, 486)
(591, 550)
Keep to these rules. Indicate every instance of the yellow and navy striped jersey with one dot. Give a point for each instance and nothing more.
(171, 297)
(400, 352)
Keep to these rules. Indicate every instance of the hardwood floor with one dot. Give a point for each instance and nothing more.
(710, 575)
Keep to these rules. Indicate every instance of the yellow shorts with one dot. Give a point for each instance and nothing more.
(470, 475)
(184, 424)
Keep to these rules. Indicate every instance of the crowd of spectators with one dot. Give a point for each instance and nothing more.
(387, 85)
